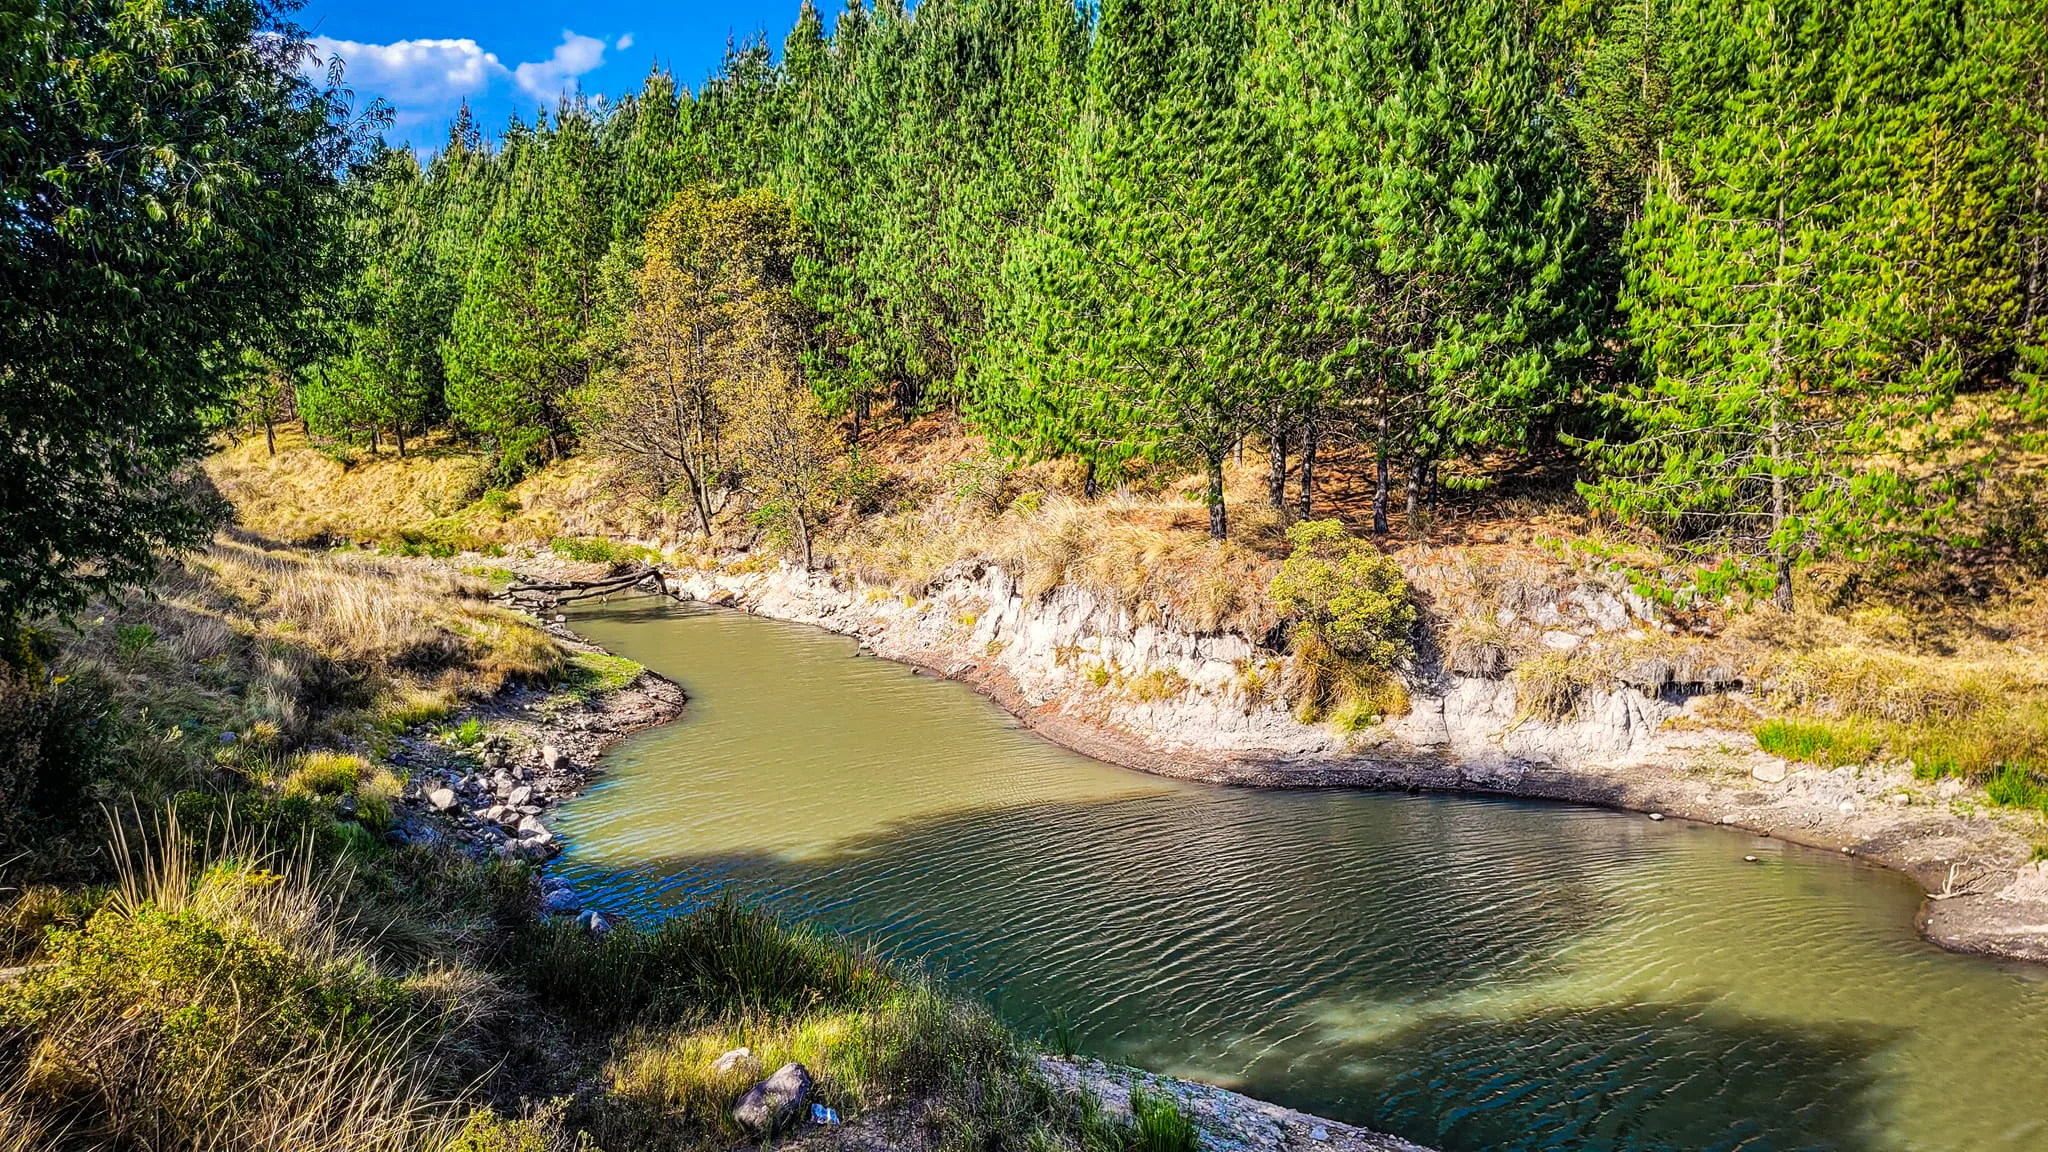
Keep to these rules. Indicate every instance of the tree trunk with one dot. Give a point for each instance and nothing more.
(1088, 489)
(1219, 527)
(554, 446)
(1418, 476)
(1308, 469)
(373, 438)
(1276, 482)
(270, 433)
(1780, 554)
(803, 537)
(860, 404)
(398, 433)
(1379, 495)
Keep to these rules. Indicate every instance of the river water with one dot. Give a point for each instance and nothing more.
(1470, 973)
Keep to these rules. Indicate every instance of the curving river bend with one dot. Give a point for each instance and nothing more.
(1468, 973)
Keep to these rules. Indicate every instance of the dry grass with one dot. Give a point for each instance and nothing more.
(278, 645)
(221, 999)
(436, 501)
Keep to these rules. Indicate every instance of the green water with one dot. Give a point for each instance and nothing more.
(1469, 973)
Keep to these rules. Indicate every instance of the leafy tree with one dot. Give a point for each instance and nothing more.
(168, 173)
(520, 340)
(717, 270)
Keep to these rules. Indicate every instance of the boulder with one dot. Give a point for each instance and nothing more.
(736, 1061)
(529, 827)
(775, 1104)
(552, 759)
(1770, 772)
(561, 901)
(593, 923)
(518, 796)
(442, 799)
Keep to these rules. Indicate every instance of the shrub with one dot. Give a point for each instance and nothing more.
(59, 740)
(325, 774)
(597, 550)
(1344, 594)
(135, 638)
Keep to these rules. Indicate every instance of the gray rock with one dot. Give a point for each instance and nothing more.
(561, 902)
(552, 759)
(1770, 773)
(530, 828)
(594, 923)
(518, 796)
(775, 1104)
(442, 799)
(737, 1060)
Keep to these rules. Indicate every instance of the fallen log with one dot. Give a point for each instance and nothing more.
(555, 593)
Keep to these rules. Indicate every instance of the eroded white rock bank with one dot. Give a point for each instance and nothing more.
(1087, 673)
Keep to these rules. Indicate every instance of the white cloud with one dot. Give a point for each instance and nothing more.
(625, 42)
(410, 73)
(574, 56)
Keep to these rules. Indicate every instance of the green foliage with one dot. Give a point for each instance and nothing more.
(600, 550)
(1816, 743)
(723, 958)
(1158, 1124)
(170, 174)
(1344, 594)
(59, 747)
(2018, 786)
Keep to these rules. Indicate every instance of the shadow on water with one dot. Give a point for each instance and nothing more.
(1209, 933)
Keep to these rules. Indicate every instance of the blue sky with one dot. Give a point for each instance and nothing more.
(426, 56)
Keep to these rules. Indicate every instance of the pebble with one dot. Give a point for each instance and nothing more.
(1319, 1133)
(1656, 815)
(1750, 859)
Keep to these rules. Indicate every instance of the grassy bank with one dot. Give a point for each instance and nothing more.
(212, 944)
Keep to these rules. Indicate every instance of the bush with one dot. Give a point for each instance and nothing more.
(1344, 594)
(59, 741)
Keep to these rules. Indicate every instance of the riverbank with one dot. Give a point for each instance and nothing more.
(1066, 667)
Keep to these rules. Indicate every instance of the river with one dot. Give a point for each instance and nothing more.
(1470, 973)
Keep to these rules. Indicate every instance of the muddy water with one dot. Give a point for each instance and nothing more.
(1468, 973)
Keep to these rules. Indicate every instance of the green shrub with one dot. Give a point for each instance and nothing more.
(1815, 743)
(1342, 593)
(470, 733)
(134, 638)
(59, 741)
